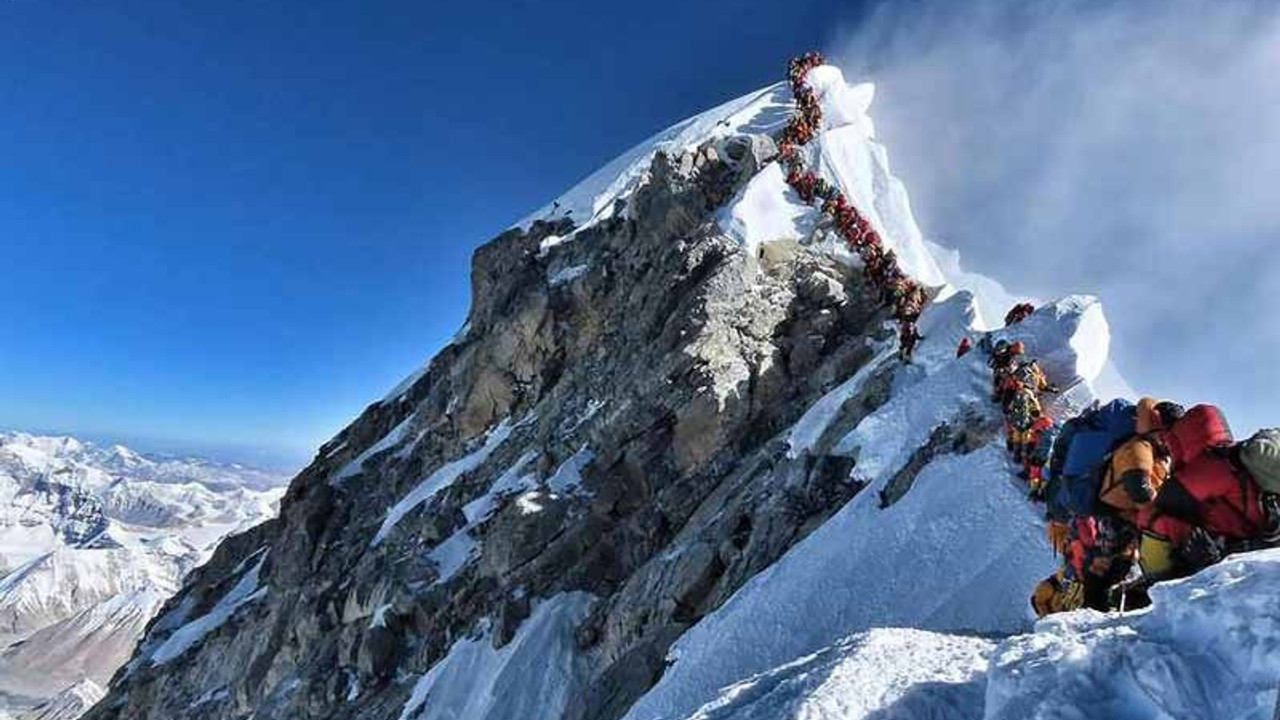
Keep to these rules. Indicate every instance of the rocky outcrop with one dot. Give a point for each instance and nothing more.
(608, 422)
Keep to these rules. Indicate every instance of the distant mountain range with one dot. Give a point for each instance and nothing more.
(93, 540)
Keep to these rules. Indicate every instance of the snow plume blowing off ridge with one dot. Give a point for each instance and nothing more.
(1128, 150)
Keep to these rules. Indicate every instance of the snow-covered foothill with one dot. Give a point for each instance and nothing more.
(90, 644)
(93, 539)
(69, 704)
(532, 677)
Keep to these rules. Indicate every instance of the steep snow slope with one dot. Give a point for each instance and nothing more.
(92, 541)
(67, 580)
(69, 704)
(1207, 649)
(885, 674)
(955, 553)
(533, 677)
(90, 644)
(593, 199)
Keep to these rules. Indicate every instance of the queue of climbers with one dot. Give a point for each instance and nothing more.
(900, 293)
(1151, 485)
(1148, 485)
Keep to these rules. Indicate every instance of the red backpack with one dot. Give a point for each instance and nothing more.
(1212, 493)
(1203, 427)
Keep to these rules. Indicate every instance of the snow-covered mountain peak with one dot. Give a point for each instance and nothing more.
(92, 541)
(672, 468)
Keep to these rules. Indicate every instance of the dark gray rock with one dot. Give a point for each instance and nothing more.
(676, 357)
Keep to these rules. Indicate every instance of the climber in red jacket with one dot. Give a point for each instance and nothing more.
(1018, 313)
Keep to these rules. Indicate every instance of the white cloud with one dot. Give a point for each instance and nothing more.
(1131, 150)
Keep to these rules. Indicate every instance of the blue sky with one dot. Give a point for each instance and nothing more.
(230, 225)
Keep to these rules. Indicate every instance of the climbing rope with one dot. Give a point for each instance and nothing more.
(880, 265)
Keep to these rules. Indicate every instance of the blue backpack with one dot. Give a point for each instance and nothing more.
(1083, 446)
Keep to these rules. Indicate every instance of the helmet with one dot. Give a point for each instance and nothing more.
(1169, 412)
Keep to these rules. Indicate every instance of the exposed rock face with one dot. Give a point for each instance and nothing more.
(608, 423)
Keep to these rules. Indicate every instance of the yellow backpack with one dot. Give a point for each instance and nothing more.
(1057, 593)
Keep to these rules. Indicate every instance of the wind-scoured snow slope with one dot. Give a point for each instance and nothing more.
(885, 674)
(1207, 649)
(954, 553)
(592, 200)
(92, 541)
(533, 677)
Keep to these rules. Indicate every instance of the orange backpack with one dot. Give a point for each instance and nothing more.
(1134, 474)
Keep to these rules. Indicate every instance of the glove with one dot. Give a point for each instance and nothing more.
(1202, 549)
(1271, 510)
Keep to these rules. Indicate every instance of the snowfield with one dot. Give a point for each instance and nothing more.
(1208, 648)
(883, 674)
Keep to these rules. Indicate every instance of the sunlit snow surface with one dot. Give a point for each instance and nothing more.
(1208, 649)
(531, 678)
(764, 111)
(245, 591)
(886, 674)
